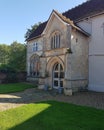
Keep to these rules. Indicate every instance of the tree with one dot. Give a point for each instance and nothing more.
(4, 54)
(13, 57)
(17, 56)
(29, 31)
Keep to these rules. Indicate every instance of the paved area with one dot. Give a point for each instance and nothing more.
(92, 99)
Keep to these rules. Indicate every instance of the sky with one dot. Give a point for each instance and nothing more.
(16, 16)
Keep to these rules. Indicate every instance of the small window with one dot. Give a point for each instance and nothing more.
(35, 47)
(55, 41)
(103, 27)
(76, 40)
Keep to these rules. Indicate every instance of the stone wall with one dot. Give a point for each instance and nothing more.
(9, 77)
(55, 25)
(77, 62)
(30, 51)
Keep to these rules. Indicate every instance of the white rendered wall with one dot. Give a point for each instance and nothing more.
(86, 25)
(96, 55)
(96, 73)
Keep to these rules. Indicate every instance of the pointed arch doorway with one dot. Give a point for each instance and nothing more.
(58, 76)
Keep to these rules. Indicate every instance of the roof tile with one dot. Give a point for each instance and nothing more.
(86, 9)
(38, 31)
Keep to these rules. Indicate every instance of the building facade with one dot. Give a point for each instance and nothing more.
(67, 51)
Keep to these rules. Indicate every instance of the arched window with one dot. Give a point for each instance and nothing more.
(55, 40)
(58, 75)
(34, 66)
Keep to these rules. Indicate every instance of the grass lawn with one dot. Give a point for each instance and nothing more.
(14, 87)
(52, 115)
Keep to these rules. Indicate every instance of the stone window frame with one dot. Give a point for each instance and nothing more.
(55, 40)
(35, 46)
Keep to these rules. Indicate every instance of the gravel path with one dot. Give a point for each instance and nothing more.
(13, 100)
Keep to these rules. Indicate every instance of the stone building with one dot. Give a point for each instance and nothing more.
(65, 51)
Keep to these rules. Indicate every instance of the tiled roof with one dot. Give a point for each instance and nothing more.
(86, 9)
(38, 31)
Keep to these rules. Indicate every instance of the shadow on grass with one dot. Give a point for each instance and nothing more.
(63, 116)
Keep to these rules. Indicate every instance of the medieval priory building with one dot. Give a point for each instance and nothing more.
(67, 51)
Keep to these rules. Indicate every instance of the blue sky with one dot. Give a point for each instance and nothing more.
(18, 15)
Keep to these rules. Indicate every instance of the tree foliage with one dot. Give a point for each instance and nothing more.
(13, 56)
(4, 53)
(31, 29)
(17, 56)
